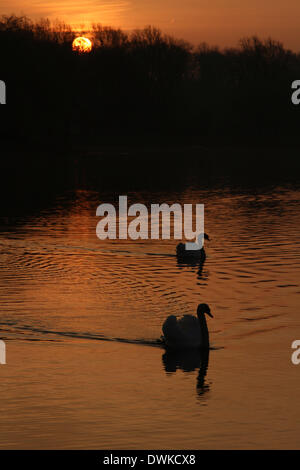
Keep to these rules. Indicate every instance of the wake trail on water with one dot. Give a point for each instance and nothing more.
(96, 337)
(158, 342)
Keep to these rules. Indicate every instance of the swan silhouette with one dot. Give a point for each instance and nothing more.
(184, 254)
(187, 332)
(188, 360)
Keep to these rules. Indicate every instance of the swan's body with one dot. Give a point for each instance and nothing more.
(184, 254)
(199, 254)
(187, 332)
(182, 333)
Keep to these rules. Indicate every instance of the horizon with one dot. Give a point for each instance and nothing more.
(88, 31)
(217, 25)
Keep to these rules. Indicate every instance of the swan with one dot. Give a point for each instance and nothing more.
(188, 331)
(183, 253)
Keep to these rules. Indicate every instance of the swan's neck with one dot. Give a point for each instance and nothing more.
(203, 331)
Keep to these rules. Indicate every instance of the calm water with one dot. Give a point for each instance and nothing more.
(81, 317)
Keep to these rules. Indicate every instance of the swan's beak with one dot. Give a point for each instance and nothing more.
(210, 314)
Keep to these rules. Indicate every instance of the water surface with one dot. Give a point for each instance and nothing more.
(81, 319)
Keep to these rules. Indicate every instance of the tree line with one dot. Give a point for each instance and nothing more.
(142, 84)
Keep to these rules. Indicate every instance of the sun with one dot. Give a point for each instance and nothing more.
(82, 45)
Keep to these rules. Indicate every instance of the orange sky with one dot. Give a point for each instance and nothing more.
(220, 22)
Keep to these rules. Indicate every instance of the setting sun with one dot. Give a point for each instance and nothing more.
(81, 45)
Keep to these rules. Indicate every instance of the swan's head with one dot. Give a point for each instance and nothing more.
(206, 237)
(204, 308)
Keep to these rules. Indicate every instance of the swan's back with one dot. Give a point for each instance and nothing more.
(182, 333)
(184, 255)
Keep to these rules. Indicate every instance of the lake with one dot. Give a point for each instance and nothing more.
(81, 317)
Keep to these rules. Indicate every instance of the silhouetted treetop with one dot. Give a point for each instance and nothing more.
(142, 81)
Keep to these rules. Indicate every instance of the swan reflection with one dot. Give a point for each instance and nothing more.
(189, 361)
(194, 265)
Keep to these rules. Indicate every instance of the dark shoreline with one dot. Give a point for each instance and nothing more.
(51, 169)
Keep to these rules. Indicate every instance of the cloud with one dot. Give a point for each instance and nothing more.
(92, 7)
(71, 11)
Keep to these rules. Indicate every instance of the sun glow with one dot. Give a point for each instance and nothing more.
(82, 45)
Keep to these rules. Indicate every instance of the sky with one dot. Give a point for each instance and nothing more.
(217, 22)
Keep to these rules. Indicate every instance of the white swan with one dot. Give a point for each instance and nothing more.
(188, 331)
